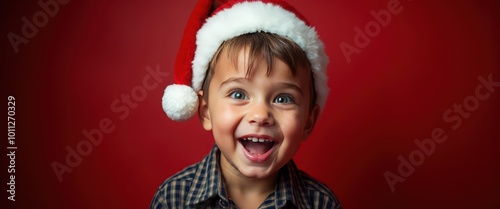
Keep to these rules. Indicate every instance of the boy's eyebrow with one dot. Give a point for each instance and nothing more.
(291, 86)
(233, 79)
(278, 85)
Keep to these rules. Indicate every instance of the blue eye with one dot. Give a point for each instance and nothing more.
(238, 94)
(284, 99)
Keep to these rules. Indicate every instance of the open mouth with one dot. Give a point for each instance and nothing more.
(257, 146)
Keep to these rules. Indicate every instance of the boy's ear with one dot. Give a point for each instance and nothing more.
(311, 121)
(203, 112)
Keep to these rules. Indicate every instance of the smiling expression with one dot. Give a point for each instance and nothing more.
(258, 120)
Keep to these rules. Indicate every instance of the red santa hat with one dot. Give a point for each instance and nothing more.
(213, 22)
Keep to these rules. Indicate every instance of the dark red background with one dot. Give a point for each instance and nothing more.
(395, 91)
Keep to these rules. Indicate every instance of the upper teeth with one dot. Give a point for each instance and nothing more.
(254, 139)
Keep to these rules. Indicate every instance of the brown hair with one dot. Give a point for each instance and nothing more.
(266, 46)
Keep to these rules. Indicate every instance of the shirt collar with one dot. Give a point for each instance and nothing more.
(208, 183)
(291, 187)
(207, 180)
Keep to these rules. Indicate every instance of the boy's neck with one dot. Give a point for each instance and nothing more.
(238, 184)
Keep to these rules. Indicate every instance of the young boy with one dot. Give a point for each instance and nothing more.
(259, 73)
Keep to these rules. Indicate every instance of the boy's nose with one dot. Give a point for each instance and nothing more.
(260, 115)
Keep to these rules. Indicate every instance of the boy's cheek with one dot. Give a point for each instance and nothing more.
(226, 116)
(293, 126)
(293, 131)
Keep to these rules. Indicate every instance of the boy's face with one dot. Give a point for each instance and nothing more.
(258, 122)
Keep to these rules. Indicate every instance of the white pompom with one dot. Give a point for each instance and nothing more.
(180, 102)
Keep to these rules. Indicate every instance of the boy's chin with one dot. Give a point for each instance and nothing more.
(257, 173)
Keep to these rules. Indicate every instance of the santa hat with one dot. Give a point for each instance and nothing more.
(213, 22)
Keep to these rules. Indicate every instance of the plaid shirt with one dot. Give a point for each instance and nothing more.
(201, 186)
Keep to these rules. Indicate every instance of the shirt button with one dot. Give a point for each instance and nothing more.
(222, 203)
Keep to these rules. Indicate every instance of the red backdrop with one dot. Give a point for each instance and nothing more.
(411, 121)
